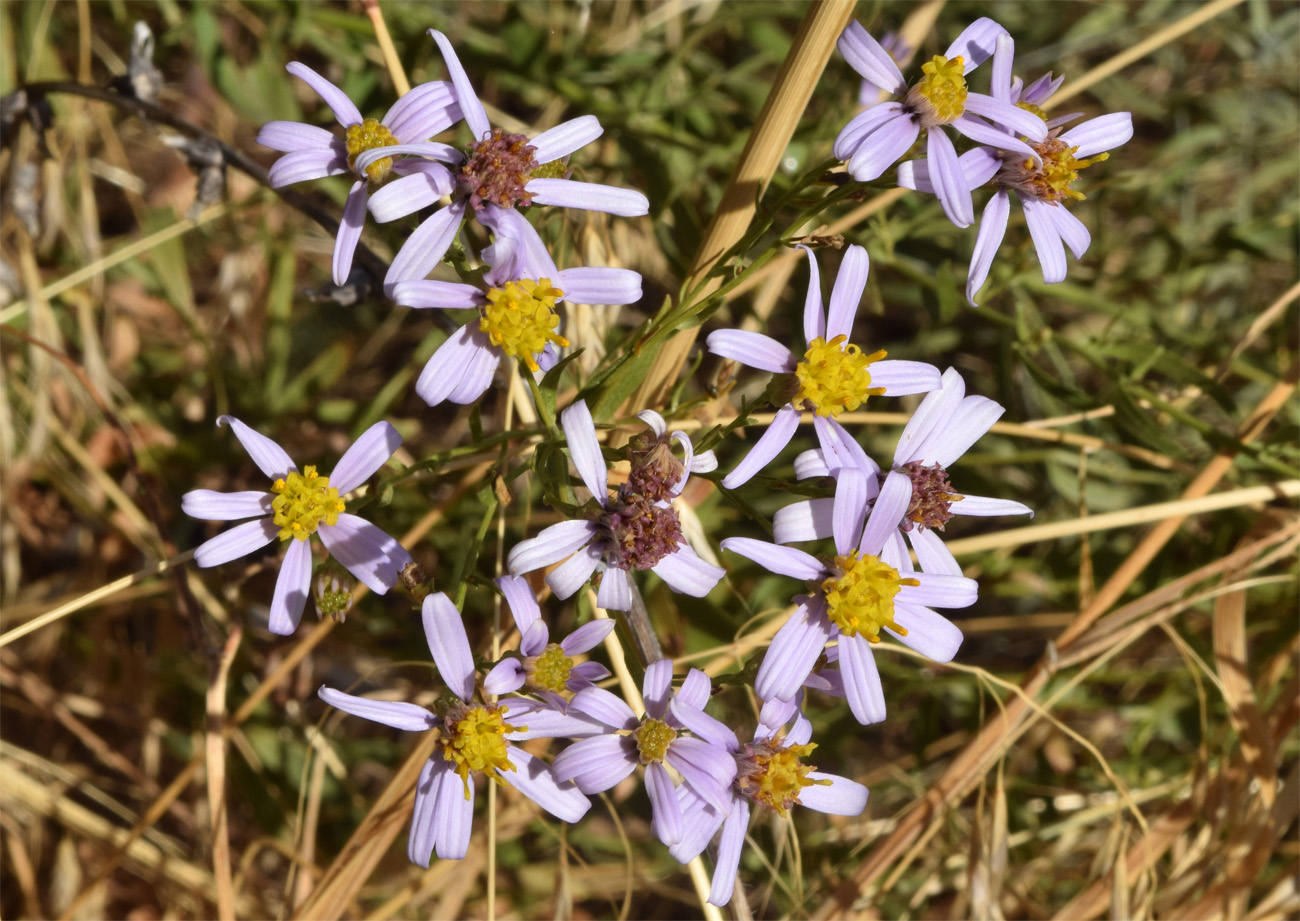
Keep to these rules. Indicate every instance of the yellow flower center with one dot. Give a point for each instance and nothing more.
(550, 670)
(939, 97)
(1032, 109)
(1051, 182)
(555, 169)
(773, 775)
(861, 598)
(474, 739)
(653, 738)
(302, 502)
(370, 135)
(520, 318)
(833, 376)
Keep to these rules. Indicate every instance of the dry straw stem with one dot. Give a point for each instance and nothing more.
(967, 769)
(216, 770)
(775, 126)
(386, 48)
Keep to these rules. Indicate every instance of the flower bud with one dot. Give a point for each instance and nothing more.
(333, 587)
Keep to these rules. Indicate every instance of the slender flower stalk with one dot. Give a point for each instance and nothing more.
(299, 505)
(876, 138)
(941, 430)
(312, 153)
(1043, 184)
(625, 532)
(476, 738)
(868, 588)
(655, 741)
(771, 773)
(833, 376)
(509, 171)
(517, 305)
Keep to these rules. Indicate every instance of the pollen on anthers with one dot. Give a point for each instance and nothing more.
(833, 377)
(549, 670)
(860, 595)
(520, 319)
(773, 774)
(1049, 179)
(370, 135)
(304, 501)
(474, 739)
(496, 170)
(939, 98)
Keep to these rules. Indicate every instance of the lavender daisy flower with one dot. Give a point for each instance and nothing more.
(517, 313)
(626, 532)
(507, 170)
(299, 505)
(475, 739)
(941, 430)
(312, 153)
(1042, 183)
(833, 376)
(875, 139)
(546, 669)
(770, 773)
(655, 740)
(868, 587)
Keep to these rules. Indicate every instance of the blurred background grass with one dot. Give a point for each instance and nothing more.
(1163, 782)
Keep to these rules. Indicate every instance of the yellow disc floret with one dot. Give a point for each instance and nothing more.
(860, 598)
(474, 739)
(652, 739)
(304, 501)
(550, 670)
(520, 318)
(1051, 182)
(773, 775)
(833, 376)
(369, 135)
(939, 97)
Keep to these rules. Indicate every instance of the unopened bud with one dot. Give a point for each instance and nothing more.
(415, 581)
(334, 586)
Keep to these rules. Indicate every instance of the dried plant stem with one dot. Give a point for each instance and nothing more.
(775, 126)
(386, 48)
(216, 771)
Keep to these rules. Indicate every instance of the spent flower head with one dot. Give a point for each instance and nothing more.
(298, 505)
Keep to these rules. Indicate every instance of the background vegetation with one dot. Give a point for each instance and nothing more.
(1118, 734)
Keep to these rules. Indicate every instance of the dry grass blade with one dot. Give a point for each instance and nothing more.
(216, 771)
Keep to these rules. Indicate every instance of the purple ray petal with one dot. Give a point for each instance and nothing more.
(226, 506)
(841, 450)
(506, 676)
(453, 814)
(588, 196)
(687, 574)
(565, 138)
(445, 369)
(533, 779)
(849, 515)
(860, 133)
(395, 713)
(240, 540)
(425, 247)
(584, 674)
(354, 218)
(768, 446)
(294, 136)
(1099, 134)
(419, 846)
(345, 113)
(424, 111)
(534, 639)
(976, 42)
(615, 592)
(587, 637)
(550, 546)
(861, 680)
(421, 188)
(1072, 231)
(1004, 52)
(574, 572)
(470, 107)
(270, 458)
(869, 58)
(1017, 121)
(521, 601)
(374, 557)
(291, 588)
(596, 764)
(814, 318)
(713, 731)
(785, 561)
(812, 519)
(754, 350)
(438, 295)
(793, 652)
(932, 635)
(996, 138)
(657, 687)
(993, 227)
(900, 378)
(584, 448)
(303, 165)
(700, 822)
(841, 797)
(707, 768)
(883, 148)
(695, 690)
(978, 166)
(603, 707)
(599, 286)
(730, 843)
(932, 554)
(1047, 239)
(983, 507)
(444, 631)
(849, 285)
(534, 719)
(367, 454)
(941, 591)
(949, 184)
(807, 464)
(932, 417)
(443, 153)
(666, 821)
(972, 420)
(480, 368)
(891, 504)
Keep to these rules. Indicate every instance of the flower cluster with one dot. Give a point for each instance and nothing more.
(860, 584)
